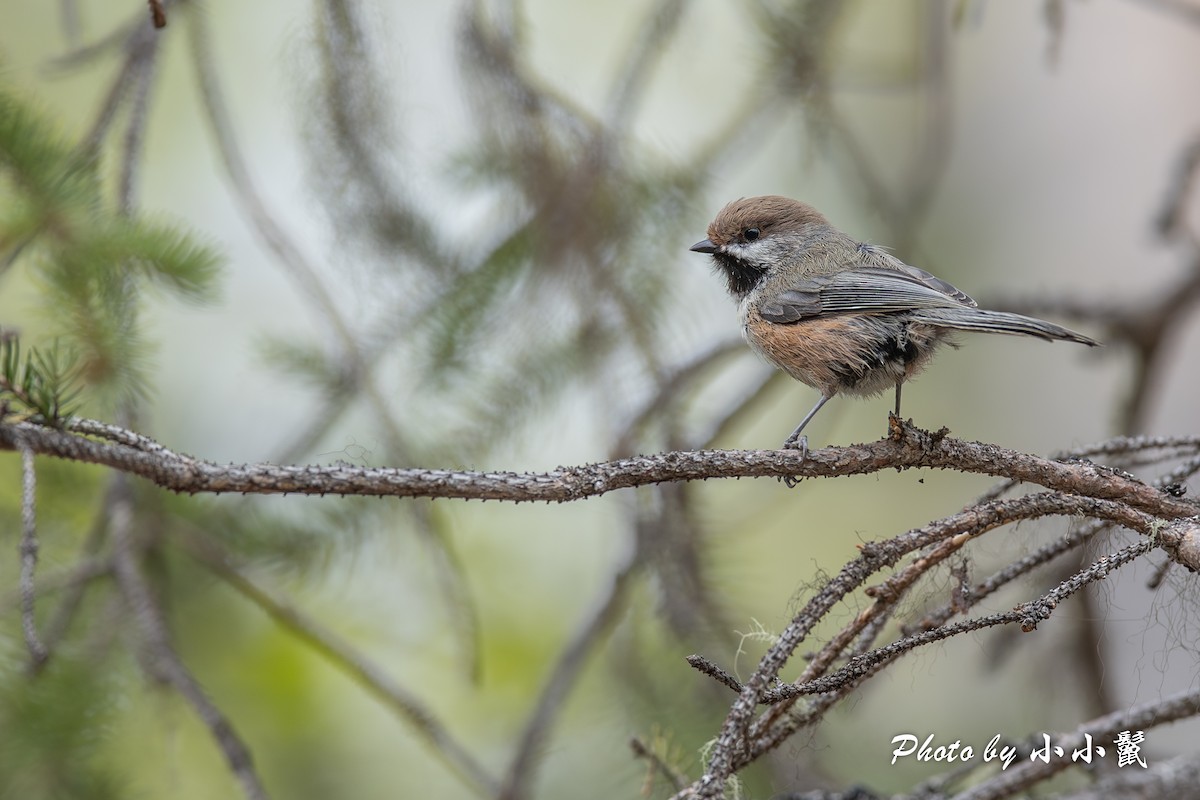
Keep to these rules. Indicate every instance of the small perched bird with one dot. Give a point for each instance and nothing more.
(842, 316)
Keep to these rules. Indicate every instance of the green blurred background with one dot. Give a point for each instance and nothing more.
(508, 241)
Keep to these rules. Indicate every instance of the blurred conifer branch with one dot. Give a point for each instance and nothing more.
(41, 384)
(92, 259)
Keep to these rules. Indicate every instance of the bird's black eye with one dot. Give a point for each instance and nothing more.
(750, 234)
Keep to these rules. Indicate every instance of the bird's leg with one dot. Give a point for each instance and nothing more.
(895, 423)
(799, 442)
(796, 441)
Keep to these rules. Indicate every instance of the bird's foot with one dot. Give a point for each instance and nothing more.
(794, 443)
(797, 443)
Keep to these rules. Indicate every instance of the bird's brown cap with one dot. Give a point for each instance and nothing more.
(765, 214)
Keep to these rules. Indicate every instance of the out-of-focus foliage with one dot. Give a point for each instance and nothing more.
(91, 261)
(562, 281)
(52, 729)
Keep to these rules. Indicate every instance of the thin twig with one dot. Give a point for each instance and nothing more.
(81, 56)
(1173, 215)
(1010, 572)
(670, 389)
(81, 572)
(144, 74)
(1021, 776)
(290, 256)
(29, 556)
(1182, 9)
(264, 223)
(72, 31)
(1027, 615)
(730, 752)
(519, 779)
(657, 763)
(631, 82)
(950, 535)
(161, 660)
(138, 39)
(1177, 778)
(87, 568)
(742, 407)
(710, 669)
(342, 655)
(158, 14)
(123, 436)
(952, 531)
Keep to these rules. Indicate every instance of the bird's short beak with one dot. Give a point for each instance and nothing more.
(705, 246)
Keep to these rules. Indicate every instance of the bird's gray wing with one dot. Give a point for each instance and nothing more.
(867, 290)
(934, 282)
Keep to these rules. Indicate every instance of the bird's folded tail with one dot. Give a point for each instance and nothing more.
(976, 319)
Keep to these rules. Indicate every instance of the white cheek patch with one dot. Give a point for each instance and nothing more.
(751, 252)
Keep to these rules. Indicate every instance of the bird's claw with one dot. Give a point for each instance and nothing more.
(794, 443)
(797, 443)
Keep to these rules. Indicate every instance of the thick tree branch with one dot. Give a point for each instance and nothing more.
(906, 447)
